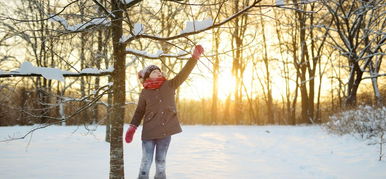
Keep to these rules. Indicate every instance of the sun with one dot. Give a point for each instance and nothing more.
(201, 86)
(226, 85)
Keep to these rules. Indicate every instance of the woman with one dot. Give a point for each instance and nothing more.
(156, 105)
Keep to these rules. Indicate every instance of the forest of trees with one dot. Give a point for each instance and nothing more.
(292, 62)
(321, 54)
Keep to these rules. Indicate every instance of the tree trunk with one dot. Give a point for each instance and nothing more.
(293, 120)
(97, 64)
(303, 79)
(353, 84)
(238, 67)
(119, 89)
(374, 81)
(109, 115)
(302, 66)
(83, 114)
(269, 101)
(216, 69)
(238, 77)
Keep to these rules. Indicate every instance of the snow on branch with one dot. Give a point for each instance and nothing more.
(374, 76)
(96, 71)
(104, 21)
(193, 26)
(27, 69)
(373, 55)
(280, 2)
(129, 3)
(137, 30)
(158, 55)
(126, 1)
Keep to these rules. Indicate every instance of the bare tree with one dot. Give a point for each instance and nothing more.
(282, 30)
(216, 37)
(268, 83)
(357, 32)
(239, 27)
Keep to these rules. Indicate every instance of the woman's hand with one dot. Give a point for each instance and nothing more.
(130, 133)
(198, 50)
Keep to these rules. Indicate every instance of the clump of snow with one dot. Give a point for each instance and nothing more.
(144, 53)
(137, 30)
(90, 70)
(193, 26)
(96, 21)
(27, 68)
(280, 2)
(110, 69)
(126, 1)
(46, 72)
(82, 26)
(181, 52)
(124, 38)
(308, 1)
(97, 71)
(61, 20)
(159, 53)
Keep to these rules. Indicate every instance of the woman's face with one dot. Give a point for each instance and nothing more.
(156, 74)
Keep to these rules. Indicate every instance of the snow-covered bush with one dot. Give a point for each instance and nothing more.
(368, 122)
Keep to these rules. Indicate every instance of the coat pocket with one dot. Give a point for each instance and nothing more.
(149, 116)
(172, 110)
(171, 113)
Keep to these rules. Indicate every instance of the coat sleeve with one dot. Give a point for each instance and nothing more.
(139, 111)
(183, 74)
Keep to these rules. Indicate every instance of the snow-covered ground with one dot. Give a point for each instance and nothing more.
(243, 152)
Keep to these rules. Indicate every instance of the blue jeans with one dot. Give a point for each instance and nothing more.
(161, 148)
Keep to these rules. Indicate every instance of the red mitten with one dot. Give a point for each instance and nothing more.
(130, 133)
(198, 50)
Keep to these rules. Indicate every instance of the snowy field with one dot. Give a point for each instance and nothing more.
(229, 152)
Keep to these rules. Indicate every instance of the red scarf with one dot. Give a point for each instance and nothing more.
(154, 83)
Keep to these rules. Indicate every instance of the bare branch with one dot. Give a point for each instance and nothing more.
(194, 32)
(60, 120)
(131, 4)
(152, 56)
(193, 4)
(38, 20)
(28, 133)
(374, 76)
(13, 74)
(103, 8)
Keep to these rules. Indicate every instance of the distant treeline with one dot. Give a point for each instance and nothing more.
(25, 107)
